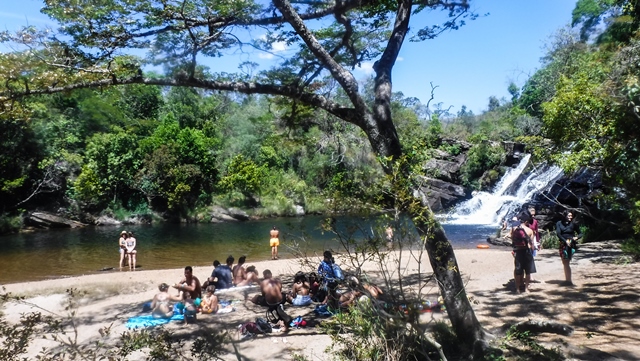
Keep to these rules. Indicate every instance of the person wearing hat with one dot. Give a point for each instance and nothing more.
(122, 244)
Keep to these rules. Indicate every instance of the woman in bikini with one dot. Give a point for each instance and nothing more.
(122, 246)
(130, 245)
(161, 304)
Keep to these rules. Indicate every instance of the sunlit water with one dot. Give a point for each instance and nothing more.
(70, 252)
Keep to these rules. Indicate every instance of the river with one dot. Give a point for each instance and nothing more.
(71, 252)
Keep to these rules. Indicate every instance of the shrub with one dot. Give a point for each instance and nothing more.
(10, 223)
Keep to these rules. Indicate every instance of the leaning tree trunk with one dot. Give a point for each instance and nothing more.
(441, 255)
(445, 267)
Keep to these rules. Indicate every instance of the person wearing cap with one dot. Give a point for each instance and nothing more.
(522, 238)
(122, 245)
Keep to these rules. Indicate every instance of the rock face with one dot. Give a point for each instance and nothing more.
(49, 220)
(440, 194)
(442, 178)
(219, 214)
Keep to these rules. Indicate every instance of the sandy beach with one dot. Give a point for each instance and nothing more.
(601, 307)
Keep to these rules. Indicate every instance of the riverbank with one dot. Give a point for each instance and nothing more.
(602, 307)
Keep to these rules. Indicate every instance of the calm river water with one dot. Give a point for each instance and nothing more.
(71, 252)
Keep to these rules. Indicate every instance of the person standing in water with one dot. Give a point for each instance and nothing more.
(389, 236)
(122, 245)
(131, 251)
(274, 242)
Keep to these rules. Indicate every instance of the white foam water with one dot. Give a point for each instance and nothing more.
(510, 193)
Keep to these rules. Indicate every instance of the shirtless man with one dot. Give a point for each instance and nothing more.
(239, 273)
(189, 283)
(300, 291)
(271, 290)
(272, 297)
(274, 242)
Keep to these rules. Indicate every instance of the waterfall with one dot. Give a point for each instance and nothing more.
(513, 190)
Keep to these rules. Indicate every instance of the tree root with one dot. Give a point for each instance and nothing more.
(540, 326)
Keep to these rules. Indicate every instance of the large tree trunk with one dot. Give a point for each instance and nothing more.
(445, 267)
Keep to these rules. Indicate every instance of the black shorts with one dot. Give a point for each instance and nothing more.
(524, 262)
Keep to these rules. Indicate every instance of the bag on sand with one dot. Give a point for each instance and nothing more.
(250, 329)
(264, 325)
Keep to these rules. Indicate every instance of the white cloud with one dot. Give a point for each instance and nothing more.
(279, 46)
(399, 58)
(366, 67)
(276, 47)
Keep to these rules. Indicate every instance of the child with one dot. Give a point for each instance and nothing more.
(210, 302)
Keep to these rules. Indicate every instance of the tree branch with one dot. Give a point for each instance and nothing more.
(311, 99)
(342, 76)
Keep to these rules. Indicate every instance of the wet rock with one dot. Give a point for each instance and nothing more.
(441, 194)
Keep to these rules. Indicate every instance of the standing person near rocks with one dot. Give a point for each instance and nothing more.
(274, 242)
(522, 241)
(131, 251)
(536, 232)
(568, 233)
(122, 246)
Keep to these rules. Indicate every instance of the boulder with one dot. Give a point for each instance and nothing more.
(107, 221)
(220, 214)
(48, 220)
(238, 214)
(139, 219)
(440, 194)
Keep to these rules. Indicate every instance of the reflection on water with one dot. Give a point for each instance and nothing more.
(71, 252)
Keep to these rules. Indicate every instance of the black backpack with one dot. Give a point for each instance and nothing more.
(264, 325)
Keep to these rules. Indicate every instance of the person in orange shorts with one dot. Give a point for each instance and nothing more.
(274, 242)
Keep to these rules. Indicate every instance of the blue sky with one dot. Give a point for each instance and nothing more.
(468, 65)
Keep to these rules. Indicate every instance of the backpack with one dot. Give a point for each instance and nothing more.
(264, 325)
(337, 272)
(250, 328)
(519, 238)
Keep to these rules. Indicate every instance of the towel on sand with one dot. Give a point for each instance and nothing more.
(149, 321)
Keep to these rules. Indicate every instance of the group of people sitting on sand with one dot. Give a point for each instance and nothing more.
(189, 300)
(321, 287)
(190, 295)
